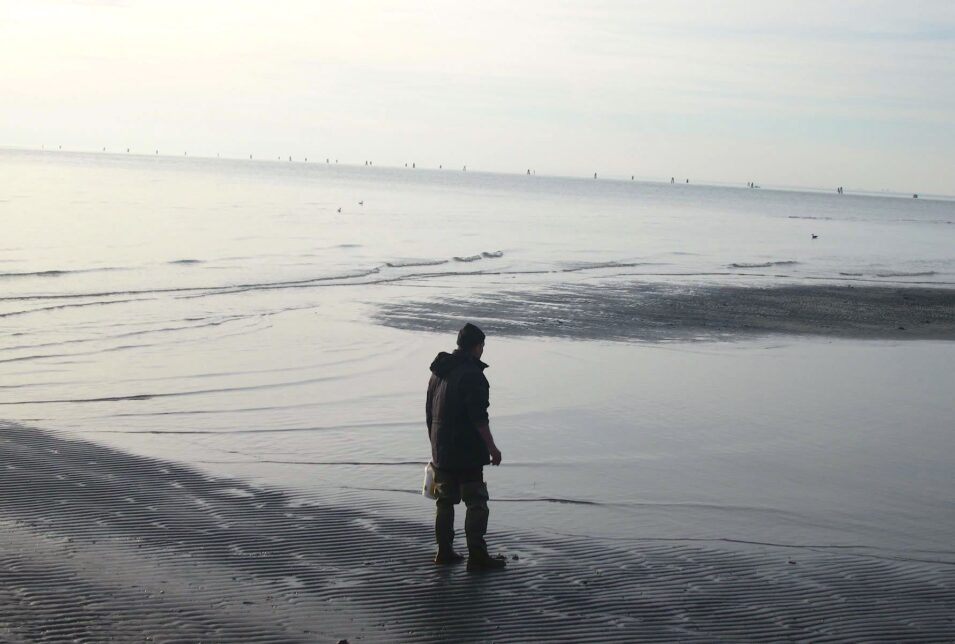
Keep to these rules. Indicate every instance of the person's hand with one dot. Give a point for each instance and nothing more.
(495, 456)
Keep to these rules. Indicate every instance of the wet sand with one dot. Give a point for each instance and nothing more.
(97, 544)
(654, 312)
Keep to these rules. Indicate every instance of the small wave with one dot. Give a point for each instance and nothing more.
(36, 274)
(852, 274)
(925, 221)
(167, 394)
(69, 306)
(762, 265)
(415, 262)
(917, 274)
(810, 217)
(482, 255)
(200, 291)
(592, 266)
(55, 273)
(186, 261)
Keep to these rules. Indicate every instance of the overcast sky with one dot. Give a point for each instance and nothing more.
(808, 93)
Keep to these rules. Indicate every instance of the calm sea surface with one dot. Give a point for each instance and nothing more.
(219, 313)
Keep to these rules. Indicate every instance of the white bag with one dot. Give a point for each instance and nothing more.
(428, 488)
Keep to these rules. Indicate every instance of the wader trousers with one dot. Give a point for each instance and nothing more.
(451, 487)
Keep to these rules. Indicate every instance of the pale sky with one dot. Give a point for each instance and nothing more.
(803, 93)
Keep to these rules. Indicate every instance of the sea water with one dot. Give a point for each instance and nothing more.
(222, 313)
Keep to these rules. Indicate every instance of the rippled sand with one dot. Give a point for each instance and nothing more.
(97, 544)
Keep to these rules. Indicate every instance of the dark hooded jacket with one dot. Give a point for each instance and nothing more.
(458, 398)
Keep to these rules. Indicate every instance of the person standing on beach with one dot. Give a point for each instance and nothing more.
(461, 445)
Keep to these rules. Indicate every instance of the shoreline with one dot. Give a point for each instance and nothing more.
(652, 312)
(97, 543)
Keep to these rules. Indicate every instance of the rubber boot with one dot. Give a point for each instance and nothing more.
(475, 527)
(481, 561)
(444, 534)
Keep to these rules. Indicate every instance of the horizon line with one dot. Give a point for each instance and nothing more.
(621, 178)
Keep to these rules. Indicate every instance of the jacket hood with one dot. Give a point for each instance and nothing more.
(444, 363)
